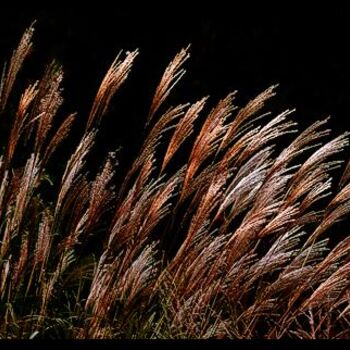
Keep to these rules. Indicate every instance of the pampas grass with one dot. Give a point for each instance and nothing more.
(233, 243)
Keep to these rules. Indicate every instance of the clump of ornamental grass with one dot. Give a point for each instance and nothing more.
(231, 243)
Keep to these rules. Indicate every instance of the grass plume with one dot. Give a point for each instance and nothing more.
(235, 239)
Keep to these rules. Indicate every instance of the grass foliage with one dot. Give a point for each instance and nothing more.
(230, 241)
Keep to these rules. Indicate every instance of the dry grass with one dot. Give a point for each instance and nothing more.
(233, 243)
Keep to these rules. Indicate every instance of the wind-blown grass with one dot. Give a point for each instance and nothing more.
(233, 243)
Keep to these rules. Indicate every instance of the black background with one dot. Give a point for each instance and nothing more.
(306, 51)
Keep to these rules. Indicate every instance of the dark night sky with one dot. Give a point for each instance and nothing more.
(306, 51)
